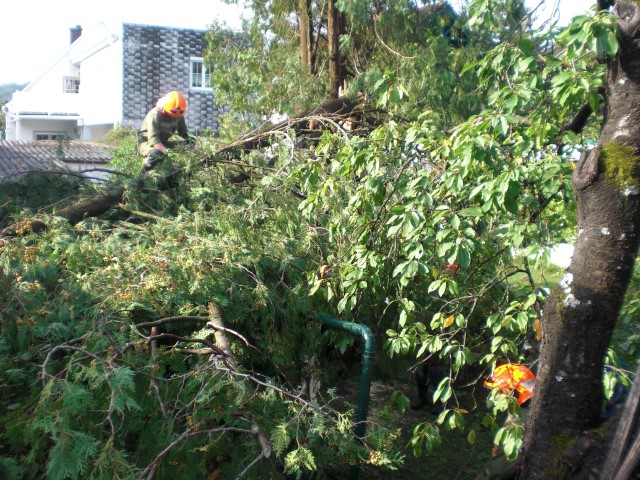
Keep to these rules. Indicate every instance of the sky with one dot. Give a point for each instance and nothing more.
(35, 33)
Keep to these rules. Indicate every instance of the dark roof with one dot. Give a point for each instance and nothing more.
(18, 157)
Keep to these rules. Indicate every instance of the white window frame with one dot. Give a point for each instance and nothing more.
(73, 82)
(50, 135)
(201, 80)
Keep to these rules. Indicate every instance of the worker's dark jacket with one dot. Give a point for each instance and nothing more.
(158, 127)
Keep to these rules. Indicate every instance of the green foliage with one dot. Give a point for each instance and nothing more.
(118, 135)
(430, 226)
(592, 35)
(616, 377)
(7, 90)
(9, 469)
(627, 335)
(73, 296)
(299, 461)
(395, 53)
(71, 454)
(258, 74)
(430, 230)
(426, 437)
(34, 193)
(124, 157)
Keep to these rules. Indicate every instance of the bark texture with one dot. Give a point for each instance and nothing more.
(305, 35)
(336, 24)
(561, 439)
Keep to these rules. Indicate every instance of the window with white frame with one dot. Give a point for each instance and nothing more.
(71, 85)
(49, 135)
(200, 74)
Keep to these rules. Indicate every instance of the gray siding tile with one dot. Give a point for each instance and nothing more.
(156, 60)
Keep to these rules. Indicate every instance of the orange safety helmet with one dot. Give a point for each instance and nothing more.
(173, 104)
(513, 376)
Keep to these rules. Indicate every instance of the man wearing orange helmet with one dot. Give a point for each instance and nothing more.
(516, 379)
(165, 120)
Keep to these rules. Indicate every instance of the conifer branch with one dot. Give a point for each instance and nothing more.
(165, 320)
(187, 434)
(248, 467)
(65, 346)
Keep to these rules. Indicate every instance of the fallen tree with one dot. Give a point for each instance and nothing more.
(330, 115)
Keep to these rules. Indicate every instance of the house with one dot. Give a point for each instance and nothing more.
(113, 76)
(18, 158)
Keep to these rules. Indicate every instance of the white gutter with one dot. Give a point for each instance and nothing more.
(47, 116)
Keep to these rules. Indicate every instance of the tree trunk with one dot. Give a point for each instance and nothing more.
(581, 313)
(305, 35)
(336, 60)
(92, 207)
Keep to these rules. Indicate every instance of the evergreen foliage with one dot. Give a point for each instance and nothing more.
(429, 223)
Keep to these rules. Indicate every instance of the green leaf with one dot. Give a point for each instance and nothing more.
(464, 258)
(469, 66)
(443, 391)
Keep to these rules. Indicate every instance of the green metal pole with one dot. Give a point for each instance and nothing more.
(365, 376)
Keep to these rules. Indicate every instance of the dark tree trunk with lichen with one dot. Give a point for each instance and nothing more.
(562, 439)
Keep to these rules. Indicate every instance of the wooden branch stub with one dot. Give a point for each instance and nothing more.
(587, 168)
(222, 342)
(91, 207)
(262, 440)
(35, 226)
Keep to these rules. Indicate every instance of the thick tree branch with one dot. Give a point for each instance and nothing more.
(334, 110)
(92, 207)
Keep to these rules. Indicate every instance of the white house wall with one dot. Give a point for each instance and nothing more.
(36, 109)
(122, 71)
(94, 132)
(95, 57)
(101, 88)
(29, 128)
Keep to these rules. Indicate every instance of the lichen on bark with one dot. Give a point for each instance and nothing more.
(621, 165)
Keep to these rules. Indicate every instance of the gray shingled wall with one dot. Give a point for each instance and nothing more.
(156, 61)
